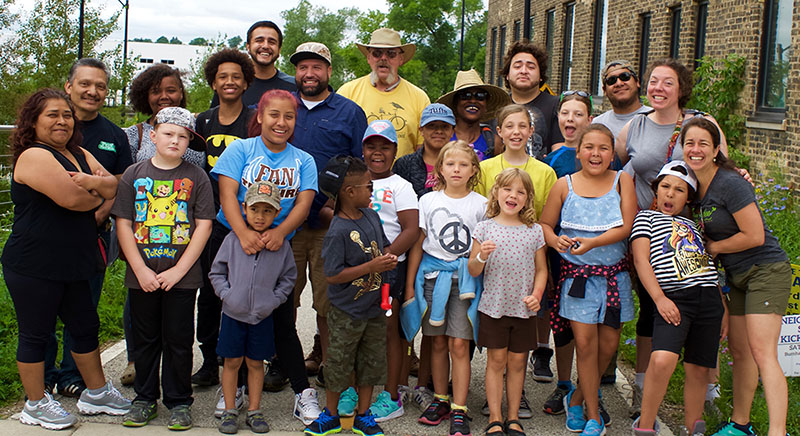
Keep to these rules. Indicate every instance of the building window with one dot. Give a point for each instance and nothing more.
(168, 61)
(675, 32)
(493, 56)
(550, 19)
(566, 58)
(502, 50)
(599, 45)
(644, 48)
(145, 61)
(700, 34)
(775, 54)
(530, 28)
(517, 29)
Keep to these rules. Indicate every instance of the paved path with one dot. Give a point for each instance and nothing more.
(278, 406)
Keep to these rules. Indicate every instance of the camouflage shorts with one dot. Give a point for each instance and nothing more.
(355, 345)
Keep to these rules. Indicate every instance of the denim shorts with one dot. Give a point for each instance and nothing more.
(592, 308)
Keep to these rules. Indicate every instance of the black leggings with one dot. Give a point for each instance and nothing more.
(39, 301)
(647, 310)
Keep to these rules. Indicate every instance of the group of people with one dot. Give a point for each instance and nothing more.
(484, 219)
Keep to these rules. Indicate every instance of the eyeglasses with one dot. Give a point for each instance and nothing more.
(624, 76)
(579, 94)
(378, 53)
(479, 95)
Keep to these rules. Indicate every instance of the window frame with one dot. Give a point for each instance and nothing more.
(701, 20)
(567, 47)
(493, 52)
(769, 34)
(675, 31)
(598, 46)
(550, 18)
(502, 51)
(517, 30)
(644, 47)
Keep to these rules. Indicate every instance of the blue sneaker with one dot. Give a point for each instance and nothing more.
(384, 408)
(593, 428)
(365, 425)
(730, 430)
(348, 400)
(575, 420)
(324, 425)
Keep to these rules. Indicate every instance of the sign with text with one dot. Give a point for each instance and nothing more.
(794, 295)
(789, 346)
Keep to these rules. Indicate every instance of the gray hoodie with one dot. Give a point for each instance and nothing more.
(252, 286)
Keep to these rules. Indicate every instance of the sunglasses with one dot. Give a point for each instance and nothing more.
(473, 95)
(391, 53)
(579, 94)
(624, 76)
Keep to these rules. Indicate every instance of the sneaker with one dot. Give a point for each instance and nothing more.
(384, 408)
(437, 411)
(47, 413)
(320, 380)
(206, 376)
(238, 403)
(314, 358)
(525, 411)
(274, 380)
(485, 409)
(459, 423)
(555, 402)
(540, 359)
(698, 430)
(129, 375)
(594, 428)
(729, 430)
(109, 401)
(325, 424)
(140, 414)
(348, 400)
(366, 424)
(603, 413)
(72, 390)
(257, 422)
(180, 418)
(645, 431)
(229, 422)
(575, 420)
(306, 406)
(636, 402)
(405, 393)
(422, 397)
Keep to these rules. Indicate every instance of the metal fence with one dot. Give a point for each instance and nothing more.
(5, 168)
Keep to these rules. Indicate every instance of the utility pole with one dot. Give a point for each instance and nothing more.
(80, 31)
(461, 50)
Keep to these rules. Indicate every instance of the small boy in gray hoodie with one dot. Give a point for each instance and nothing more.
(250, 287)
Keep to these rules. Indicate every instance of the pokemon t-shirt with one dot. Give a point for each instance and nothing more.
(163, 206)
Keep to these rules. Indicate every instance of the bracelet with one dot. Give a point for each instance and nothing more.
(478, 258)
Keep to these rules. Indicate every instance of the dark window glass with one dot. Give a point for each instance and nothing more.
(493, 55)
(502, 51)
(517, 29)
(775, 54)
(700, 34)
(599, 44)
(566, 58)
(550, 29)
(675, 32)
(644, 48)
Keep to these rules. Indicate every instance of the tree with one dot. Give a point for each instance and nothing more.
(162, 40)
(175, 40)
(236, 42)
(197, 41)
(142, 40)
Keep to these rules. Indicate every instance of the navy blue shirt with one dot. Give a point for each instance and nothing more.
(333, 127)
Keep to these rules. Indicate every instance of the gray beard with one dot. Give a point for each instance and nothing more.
(391, 79)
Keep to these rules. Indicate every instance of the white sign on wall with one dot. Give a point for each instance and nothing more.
(789, 346)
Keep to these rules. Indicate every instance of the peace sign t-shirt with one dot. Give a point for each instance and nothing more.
(448, 224)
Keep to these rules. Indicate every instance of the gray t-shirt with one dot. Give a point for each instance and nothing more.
(727, 194)
(350, 243)
(615, 122)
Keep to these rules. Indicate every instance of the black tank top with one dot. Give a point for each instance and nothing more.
(47, 240)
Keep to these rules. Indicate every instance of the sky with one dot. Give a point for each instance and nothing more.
(210, 19)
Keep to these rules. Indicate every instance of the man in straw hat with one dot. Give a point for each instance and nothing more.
(383, 94)
(474, 103)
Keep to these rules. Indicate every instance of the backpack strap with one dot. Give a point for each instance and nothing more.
(488, 137)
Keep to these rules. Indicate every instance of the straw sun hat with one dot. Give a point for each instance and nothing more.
(388, 38)
(471, 79)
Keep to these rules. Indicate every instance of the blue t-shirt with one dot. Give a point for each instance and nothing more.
(249, 161)
(480, 146)
(562, 161)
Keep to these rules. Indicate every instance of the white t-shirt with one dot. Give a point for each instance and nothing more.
(448, 224)
(391, 195)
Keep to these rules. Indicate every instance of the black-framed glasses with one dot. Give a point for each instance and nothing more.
(583, 94)
(479, 95)
(378, 53)
(624, 76)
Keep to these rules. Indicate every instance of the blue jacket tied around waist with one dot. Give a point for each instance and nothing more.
(468, 287)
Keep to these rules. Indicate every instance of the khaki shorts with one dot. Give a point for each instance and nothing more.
(762, 289)
(355, 345)
(307, 249)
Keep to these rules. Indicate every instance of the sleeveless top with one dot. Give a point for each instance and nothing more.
(48, 241)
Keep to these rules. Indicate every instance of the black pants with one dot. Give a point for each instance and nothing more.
(647, 310)
(209, 306)
(163, 326)
(39, 301)
(288, 347)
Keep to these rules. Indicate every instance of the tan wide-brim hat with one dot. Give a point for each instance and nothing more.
(498, 98)
(388, 38)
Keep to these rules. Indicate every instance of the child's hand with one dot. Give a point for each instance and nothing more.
(532, 303)
(581, 245)
(564, 243)
(147, 279)
(170, 278)
(383, 263)
(85, 181)
(487, 248)
(669, 311)
(251, 241)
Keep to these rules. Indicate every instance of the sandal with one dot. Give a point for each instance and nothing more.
(514, 432)
(493, 424)
(72, 390)
(129, 375)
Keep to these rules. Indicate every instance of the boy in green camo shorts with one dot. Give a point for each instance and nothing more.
(353, 261)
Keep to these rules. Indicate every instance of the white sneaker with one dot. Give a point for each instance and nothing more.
(422, 397)
(47, 413)
(220, 409)
(405, 393)
(306, 406)
(109, 401)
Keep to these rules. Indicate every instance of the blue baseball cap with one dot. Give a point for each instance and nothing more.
(437, 112)
(381, 128)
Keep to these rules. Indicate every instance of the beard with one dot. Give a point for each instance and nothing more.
(254, 57)
(616, 102)
(391, 78)
(311, 90)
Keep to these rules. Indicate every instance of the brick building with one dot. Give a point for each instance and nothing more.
(582, 35)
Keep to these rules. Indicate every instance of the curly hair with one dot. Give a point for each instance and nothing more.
(528, 212)
(24, 135)
(254, 127)
(458, 145)
(685, 83)
(149, 79)
(703, 123)
(525, 46)
(229, 55)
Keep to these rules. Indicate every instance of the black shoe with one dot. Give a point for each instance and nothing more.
(603, 413)
(459, 423)
(541, 365)
(321, 376)
(554, 405)
(206, 376)
(274, 380)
